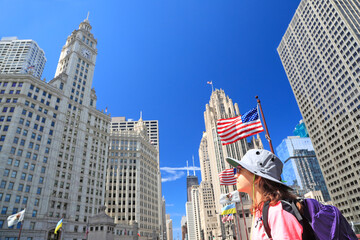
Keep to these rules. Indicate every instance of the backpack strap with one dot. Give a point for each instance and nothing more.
(296, 211)
(265, 217)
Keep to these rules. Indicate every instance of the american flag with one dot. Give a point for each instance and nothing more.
(233, 129)
(227, 177)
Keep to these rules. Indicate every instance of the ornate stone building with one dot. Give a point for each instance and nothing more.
(54, 145)
(132, 184)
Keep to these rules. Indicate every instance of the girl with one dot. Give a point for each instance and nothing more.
(259, 175)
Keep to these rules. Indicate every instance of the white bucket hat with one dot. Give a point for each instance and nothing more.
(261, 163)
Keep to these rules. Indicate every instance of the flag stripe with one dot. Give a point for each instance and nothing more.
(233, 129)
(239, 128)
(236, 132)
(240, 137)
(227, 177)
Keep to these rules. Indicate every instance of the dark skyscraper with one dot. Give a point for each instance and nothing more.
(190, 181)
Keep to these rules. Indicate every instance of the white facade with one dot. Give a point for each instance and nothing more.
(208, 216)
(221, 106)
(320, 54)
(54, 149)
(122, 124)
(169, 228)
(190, 220)
(195, 200)
(132, 180)
(21, 56)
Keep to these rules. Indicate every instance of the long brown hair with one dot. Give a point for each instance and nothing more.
(273, 192)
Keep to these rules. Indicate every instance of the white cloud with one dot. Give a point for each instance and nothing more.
(173, 174)
(180, 168)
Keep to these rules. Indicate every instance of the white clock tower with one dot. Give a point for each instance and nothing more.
(77, 61)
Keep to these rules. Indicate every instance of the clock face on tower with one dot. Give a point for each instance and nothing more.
(86, 53)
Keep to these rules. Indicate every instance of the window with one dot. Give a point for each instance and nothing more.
(2, 184)
(38, 191)
(11, 186)
(7, 198)
(4, 210)
(25, 199)
(34, 213)
(27, 188)
(21, 187)
(6, 172)
(17, 199)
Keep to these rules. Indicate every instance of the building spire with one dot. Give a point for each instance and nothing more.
(140, 115)
(87, 18)
(193, 164)
(187, 167)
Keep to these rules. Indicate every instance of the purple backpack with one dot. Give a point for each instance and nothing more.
(320, 222)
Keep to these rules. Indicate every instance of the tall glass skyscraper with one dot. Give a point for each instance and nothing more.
(301, 168)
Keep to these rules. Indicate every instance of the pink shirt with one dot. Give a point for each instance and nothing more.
(283, 225)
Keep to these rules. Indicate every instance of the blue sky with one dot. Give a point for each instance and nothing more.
(156, 56)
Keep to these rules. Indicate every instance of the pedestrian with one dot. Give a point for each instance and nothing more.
(259, 175)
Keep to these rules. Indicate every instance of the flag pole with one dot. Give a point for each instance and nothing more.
(267, 135)
(60, 233)
(242, 208)
(237, 216)
(20, 230)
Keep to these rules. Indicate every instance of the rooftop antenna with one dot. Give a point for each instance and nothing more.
(187, 167)
(141, 115)
(193, 164)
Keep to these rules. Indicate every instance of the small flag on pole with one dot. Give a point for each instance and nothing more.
(58, 226)
(227, 177)
(233, 129)
(139, 234)
(87, 230)
(230, 197)
(15, 218)
(209, 82)
(228, 209)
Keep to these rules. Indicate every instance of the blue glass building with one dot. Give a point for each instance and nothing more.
(300, 130)
(301, 168)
